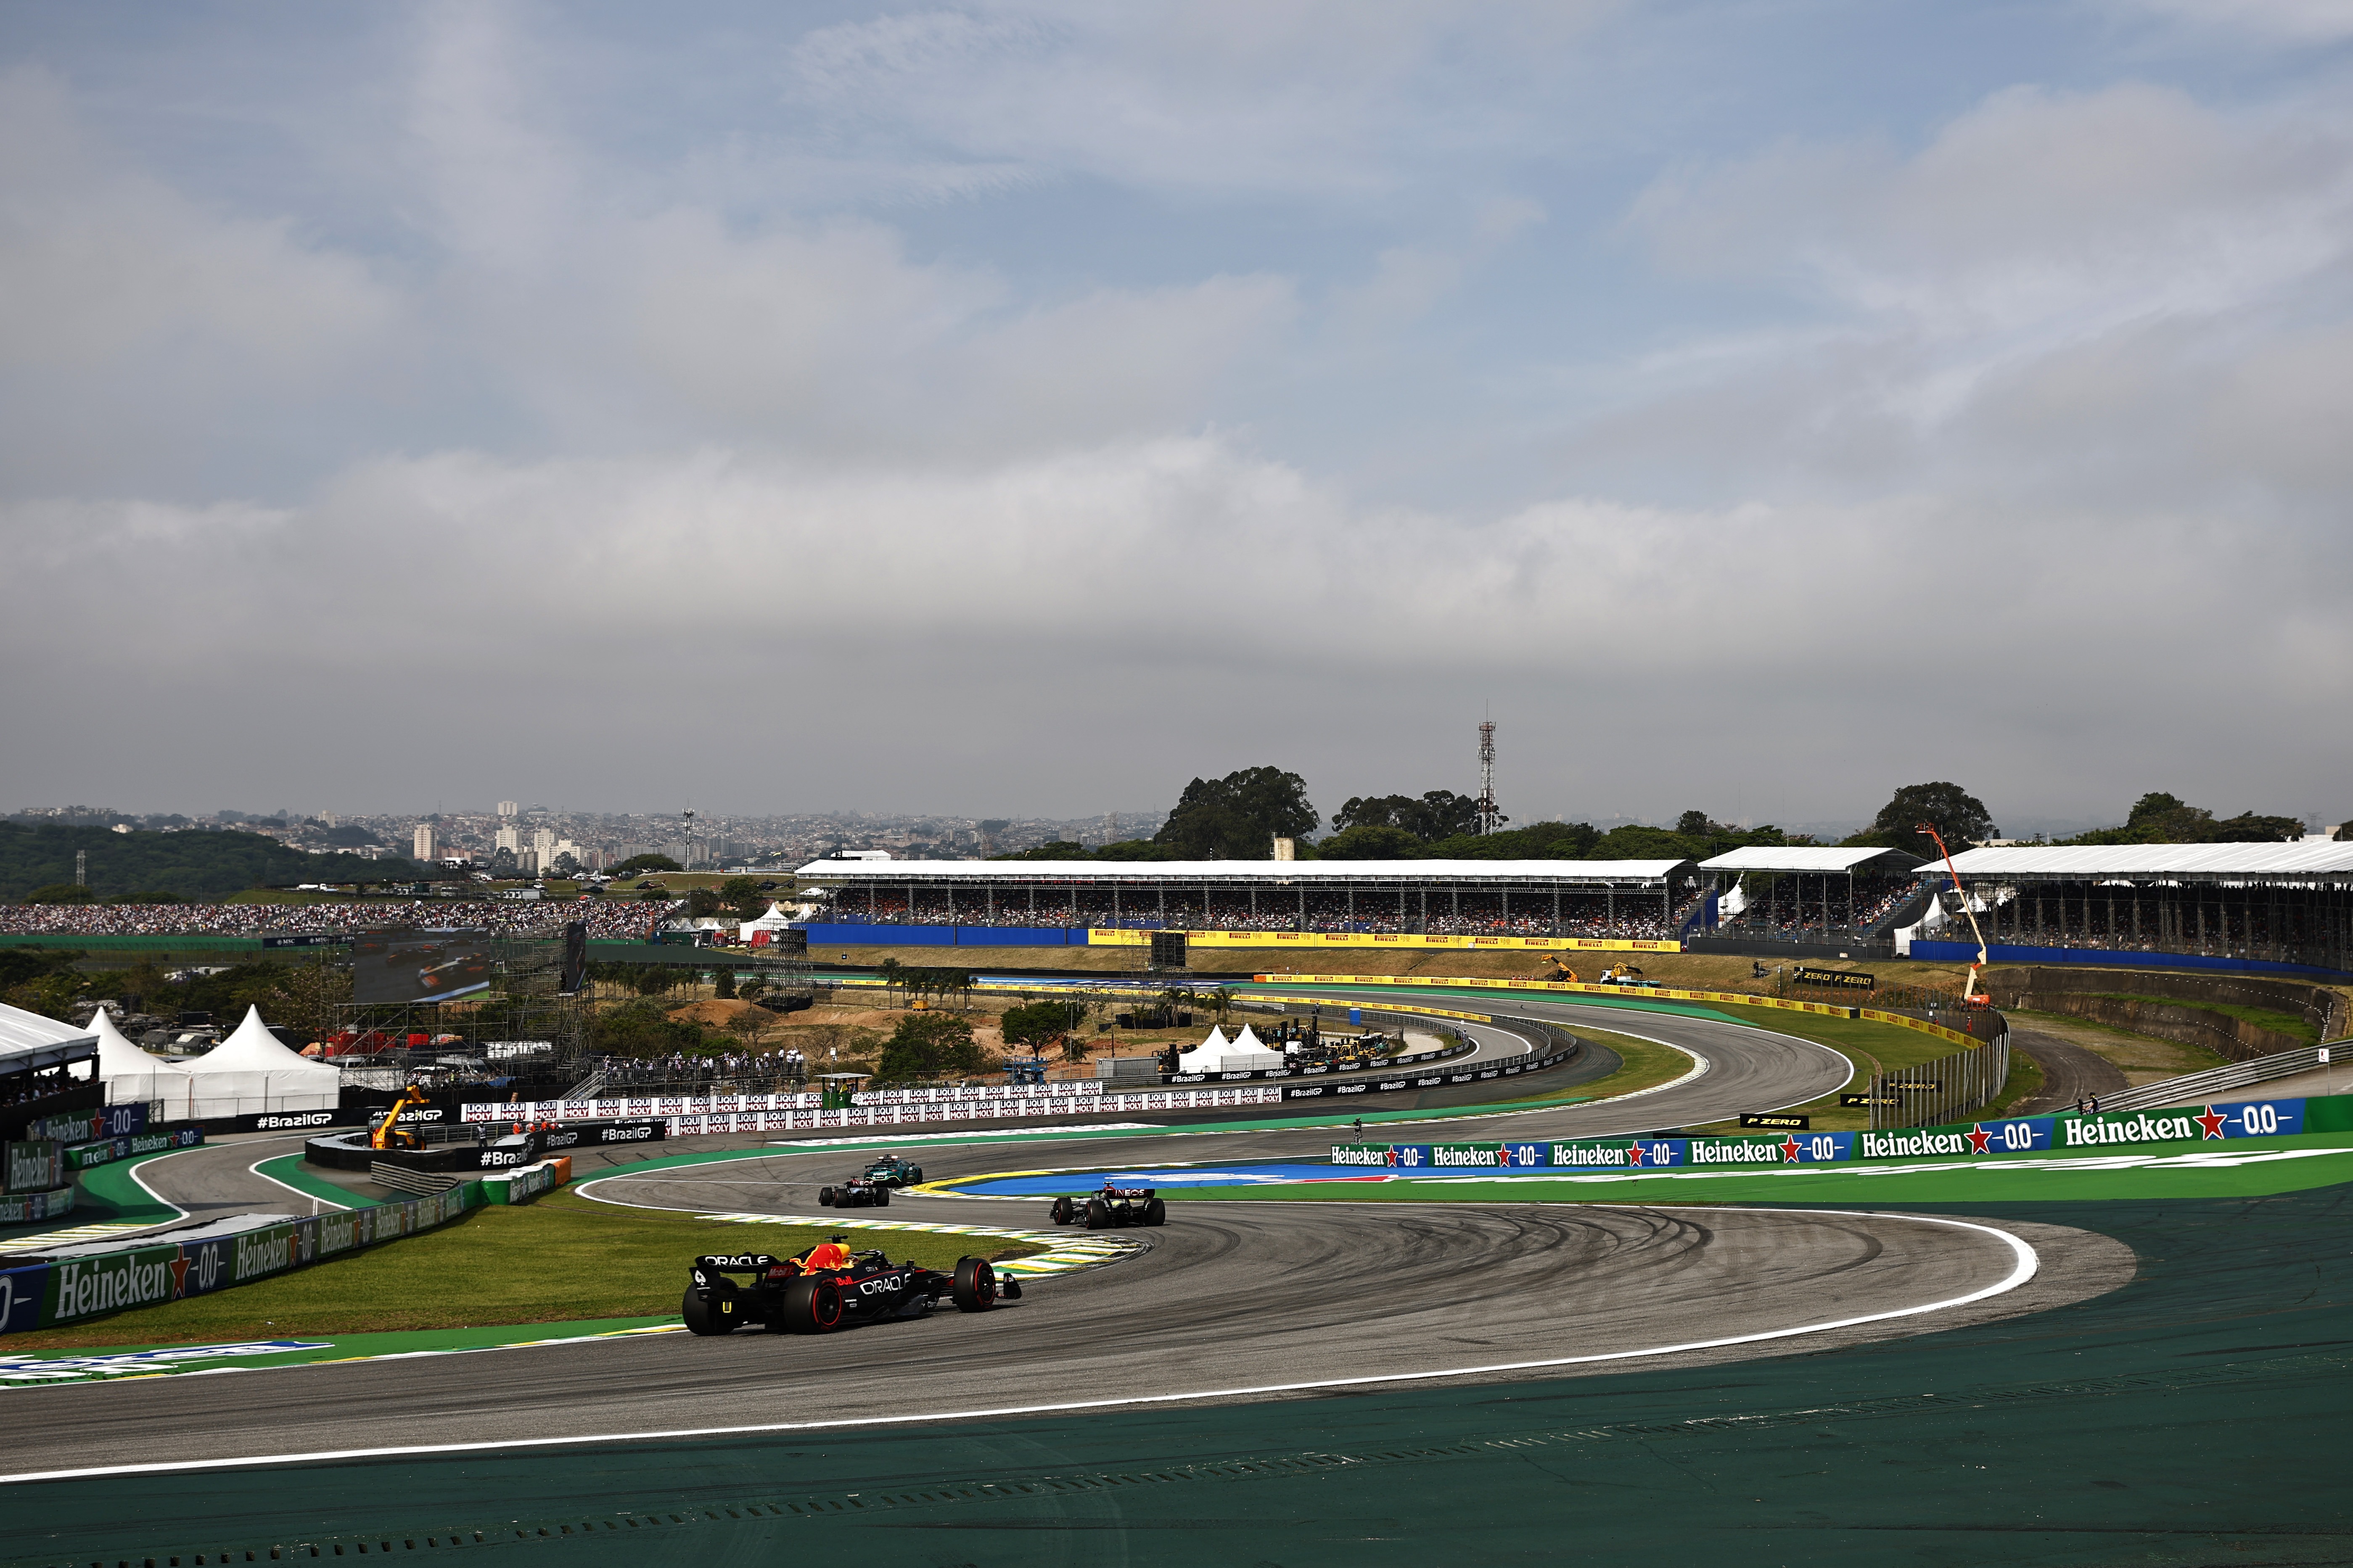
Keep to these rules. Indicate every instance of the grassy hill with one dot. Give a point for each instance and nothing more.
(201, 866)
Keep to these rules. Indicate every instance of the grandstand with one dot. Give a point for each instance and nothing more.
(2245, 906)
(1805, 894)
(1026, 899)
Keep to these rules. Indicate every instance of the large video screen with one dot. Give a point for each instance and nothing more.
(420, 965)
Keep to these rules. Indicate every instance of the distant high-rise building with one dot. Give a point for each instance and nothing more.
(510, 808)
(543, 847)
(423, 850)
(510, 839)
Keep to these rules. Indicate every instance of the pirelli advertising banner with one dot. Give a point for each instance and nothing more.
(75, 1290)
(2156, 1129)
(1119, 937)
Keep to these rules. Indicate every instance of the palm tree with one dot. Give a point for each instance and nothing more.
(889, 969)
(1222, 999)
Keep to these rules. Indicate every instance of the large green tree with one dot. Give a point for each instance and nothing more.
(1438, 814)
(1959, 815)
(927, 1046)
(1238, 817)
(2158, 817)
(1370, 841)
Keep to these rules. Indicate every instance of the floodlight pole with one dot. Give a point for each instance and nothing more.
(1970, 989)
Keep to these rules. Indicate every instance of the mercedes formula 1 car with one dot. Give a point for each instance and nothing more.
(1111, 1206)
(857, 1193)
(785, 1295)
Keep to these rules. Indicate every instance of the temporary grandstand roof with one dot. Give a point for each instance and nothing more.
(1334, 873)
(2204, 862)
(1809, 861)
(30, 1041)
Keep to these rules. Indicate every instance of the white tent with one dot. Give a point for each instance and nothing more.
(775, 920)
(251, 1071)
(1245, 1053)
(131, 1074)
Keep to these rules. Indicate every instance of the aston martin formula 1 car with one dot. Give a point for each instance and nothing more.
(857, 1193)
(892, 1171)
(1111, 1206)
(786, 1295)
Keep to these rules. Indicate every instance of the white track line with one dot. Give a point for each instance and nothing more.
(315, 1200)
(2024, 1269)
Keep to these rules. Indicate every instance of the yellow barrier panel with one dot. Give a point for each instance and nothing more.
(1110, 937)
(1738, 998)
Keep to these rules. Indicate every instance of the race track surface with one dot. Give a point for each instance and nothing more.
(1234, 1300)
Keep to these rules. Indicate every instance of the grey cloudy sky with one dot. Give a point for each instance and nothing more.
(1026, 406)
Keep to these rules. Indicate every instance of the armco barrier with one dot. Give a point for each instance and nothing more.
(2182, 1129)
(74, 1289)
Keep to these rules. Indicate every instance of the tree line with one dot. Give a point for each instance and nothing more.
(196, 867)
(1238, 816)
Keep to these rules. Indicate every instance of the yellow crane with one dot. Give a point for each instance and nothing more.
(388, 1132)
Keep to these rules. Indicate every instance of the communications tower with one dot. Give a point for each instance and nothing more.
(1490, 818)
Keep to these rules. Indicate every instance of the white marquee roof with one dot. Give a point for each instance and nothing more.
(253, 1048)
(1807, 859)
(2284, 862)
(1333, 872)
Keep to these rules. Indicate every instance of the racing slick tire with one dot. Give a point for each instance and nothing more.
(1099, 1214)
(1064, 1211)
(975, 1285)
(721, 1315)
(811, 1307)
(882, 1197)
(825, 1197)
(1156, 1213)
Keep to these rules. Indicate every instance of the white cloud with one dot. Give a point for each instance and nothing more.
(132, 318)
(2057, 295)
(2291, 22)
(1280, 96)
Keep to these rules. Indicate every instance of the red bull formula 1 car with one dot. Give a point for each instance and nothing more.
(1111, 1206)
(787, 1295)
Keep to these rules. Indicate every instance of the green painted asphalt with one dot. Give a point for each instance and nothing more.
(2194, 1416)
(290, 1170)
(107, 1195)
(112, 1362)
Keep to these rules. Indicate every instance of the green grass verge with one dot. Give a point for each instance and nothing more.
(555, 1260)
(2262, 1018)
(2025, 1082)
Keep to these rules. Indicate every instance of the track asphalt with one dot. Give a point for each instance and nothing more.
(1260, 1326)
